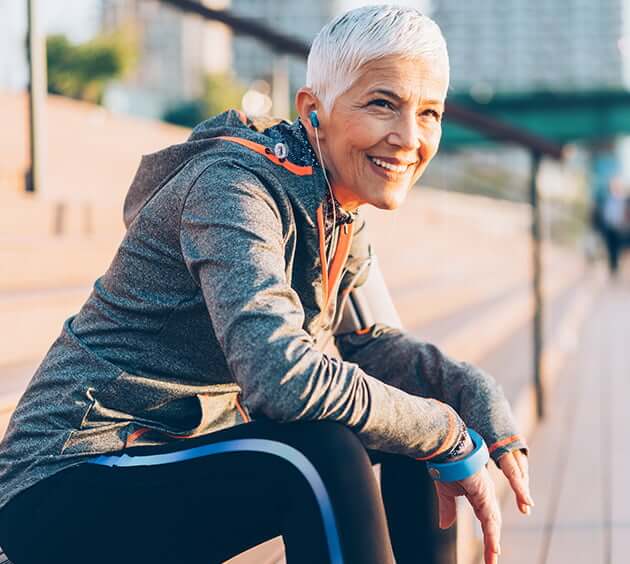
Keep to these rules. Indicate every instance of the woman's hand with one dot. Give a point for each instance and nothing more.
(515, 467)
(479, 490)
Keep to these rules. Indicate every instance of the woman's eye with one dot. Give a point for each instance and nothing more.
(437, 116)
(382, 103)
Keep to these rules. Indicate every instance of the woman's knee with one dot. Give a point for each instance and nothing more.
(343, 464)
(334, 450)
(332, 438)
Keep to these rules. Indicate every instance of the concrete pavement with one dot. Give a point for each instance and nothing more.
(578, 459)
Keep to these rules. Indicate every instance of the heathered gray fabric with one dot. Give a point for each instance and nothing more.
(214, 294)
(421, 369)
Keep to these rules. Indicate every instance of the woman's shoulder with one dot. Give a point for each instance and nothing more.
(263, 158)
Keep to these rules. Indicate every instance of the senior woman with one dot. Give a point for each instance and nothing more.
(188, 411)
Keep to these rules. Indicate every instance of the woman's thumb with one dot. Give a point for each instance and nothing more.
(446, 508)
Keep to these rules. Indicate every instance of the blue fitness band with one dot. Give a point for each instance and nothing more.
(465, 467)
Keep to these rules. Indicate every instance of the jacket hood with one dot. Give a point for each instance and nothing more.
(156, 169)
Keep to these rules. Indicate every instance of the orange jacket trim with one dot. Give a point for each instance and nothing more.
(265, 152)
(341, 255)
(322, 251)
(503, 442)
(453, 427)
(240, 409)
(133, 437)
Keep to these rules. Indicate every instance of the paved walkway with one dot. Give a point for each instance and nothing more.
(579, 454)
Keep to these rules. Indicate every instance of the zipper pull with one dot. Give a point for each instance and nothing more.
(345, 228)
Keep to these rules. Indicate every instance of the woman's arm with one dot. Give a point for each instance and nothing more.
(419, 368)
(371, 335)
(233, 243)
(403, 362)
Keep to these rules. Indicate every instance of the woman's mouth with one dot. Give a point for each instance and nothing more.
(390, 167)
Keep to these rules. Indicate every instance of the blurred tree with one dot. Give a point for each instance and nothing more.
(82, 71)
(221, 92)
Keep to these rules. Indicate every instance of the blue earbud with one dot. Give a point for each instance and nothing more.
(314, 119)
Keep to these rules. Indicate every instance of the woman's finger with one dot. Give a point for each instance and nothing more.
(516, 472)
(523, 463)
(481, 495)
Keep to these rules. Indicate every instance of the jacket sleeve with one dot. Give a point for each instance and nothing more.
(419, 368)
(233, 243)
(370, 335)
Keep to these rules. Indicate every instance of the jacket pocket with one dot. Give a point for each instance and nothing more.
(120, 412)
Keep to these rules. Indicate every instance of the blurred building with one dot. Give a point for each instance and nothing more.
(176, 51)
(254, 61)
(516, 46)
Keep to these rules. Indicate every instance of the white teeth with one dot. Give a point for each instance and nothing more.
(389, 166)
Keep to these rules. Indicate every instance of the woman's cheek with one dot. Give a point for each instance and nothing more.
(430, 147)
(435, 140)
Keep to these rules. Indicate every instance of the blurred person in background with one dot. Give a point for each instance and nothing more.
(615, 226)
(195, 407)
(611, 208)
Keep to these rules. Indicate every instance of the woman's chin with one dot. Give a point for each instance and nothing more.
(390, 200)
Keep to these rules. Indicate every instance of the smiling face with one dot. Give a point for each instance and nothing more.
(381, 133)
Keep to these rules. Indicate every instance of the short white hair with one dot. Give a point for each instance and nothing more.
(347, 43)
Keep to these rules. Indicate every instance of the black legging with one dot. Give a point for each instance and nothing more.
(613, 246)
(267, 482)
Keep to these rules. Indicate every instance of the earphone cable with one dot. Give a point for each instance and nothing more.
(333, 242)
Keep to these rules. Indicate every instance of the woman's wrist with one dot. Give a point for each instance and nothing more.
(463, 446)
(462, 465)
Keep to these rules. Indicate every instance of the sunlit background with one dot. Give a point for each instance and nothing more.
(500, 256)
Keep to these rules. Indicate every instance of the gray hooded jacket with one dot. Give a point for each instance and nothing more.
(216, 309)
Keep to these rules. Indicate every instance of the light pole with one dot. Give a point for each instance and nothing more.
(37, 90)
(537, 269)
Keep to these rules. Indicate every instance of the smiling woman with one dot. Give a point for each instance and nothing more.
(197, 404)
(379, 91)
(381, 133)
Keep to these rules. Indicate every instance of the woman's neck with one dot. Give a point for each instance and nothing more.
(344, 196)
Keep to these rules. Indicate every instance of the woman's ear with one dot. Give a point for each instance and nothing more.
(306, 102)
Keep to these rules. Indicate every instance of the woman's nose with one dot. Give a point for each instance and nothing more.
(407, 134)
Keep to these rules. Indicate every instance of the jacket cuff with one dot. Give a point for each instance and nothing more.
(452, 436)
(505, 445)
